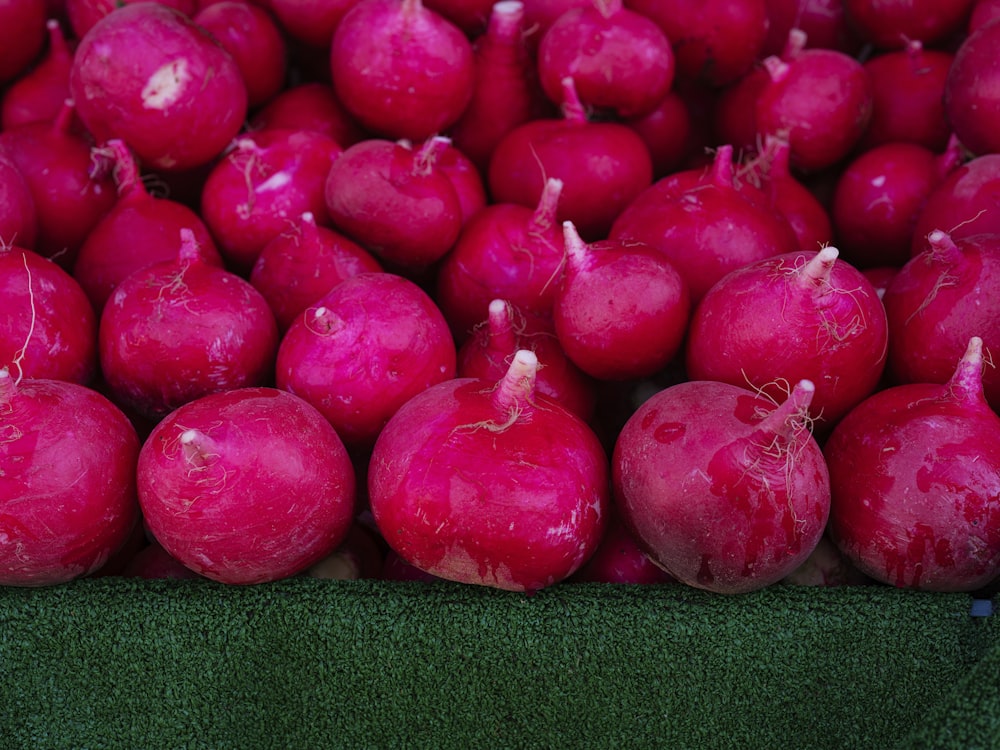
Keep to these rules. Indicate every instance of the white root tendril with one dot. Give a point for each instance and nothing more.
(19, 355)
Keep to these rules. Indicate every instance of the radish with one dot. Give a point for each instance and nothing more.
(983, 12)
(179, 330)
(619, 559)
(890, 24)
(938, 301)
(621, 310)
(38, 95)
(265, 181)
(732, 115)
(18, 217)
(827, 566)
(722, 488)
(603, 166)
(620, 61)
(971, 98)
(667, 132)
(246, 486)
(915, 475)
(110, 251)
(488, 352)
(146, 73)
(369, 345)
(299, 266)
(82, 15)
(47, 327)
(401, 69)
(309, 106)
(310, 23)
(797, 316)
(964, 203)
(152, 561)
(22, 36)
(823, 21)
(490, 484)
(471, 16)
(67, 480)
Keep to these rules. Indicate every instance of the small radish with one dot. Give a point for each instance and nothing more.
(971, 97)
(309, 106)
(38, 95)
(22, 36)
(964, 203)
(18, 217)
(890, 24)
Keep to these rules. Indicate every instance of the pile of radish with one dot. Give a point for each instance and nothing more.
(505, 293)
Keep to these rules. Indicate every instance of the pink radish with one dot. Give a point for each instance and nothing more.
(668, 132)
(971, 98)
(964, 203)
(890, 24)
(18, 217)
(619, 559)
(309, 106)
(38, 95)
(22, 36)
(310, 23)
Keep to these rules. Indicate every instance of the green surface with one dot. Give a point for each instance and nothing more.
(306, 663)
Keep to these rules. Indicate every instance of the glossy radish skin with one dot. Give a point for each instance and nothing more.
(147, 74)
(67, 480)
(83, 14)
(18, 217)
(490, 484)
(619, 559)
(22, 36)
(824, 22)
(668, 132)
(182, 329)
(804, 315)
(369, 345)
(38, 95)
(964, 203)
(972, 91)
(889, 24)
(48, 328)
(311, 22)
(915, 473)
(722, 488)
(246, 486)
(471, 16)
(488, 352)
(622, 309)
(401, 69)
(620, 60)
(311, 105)
(940, 299)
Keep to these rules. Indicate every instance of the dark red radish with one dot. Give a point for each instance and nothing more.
(246, 486)
(369, 345)
(22, 36)
(146, 73)
(69, 199)
(115, 565)
(402, 69)
(490, 348)
(309, 106)
(471, 16)
(603, 166)
(39, 94)
(972, 91)
(507, 251)
(879, 197)
(620, 61)
(182, 329)
(799, 316)
(358, 556)
(491, 484)
(880, 277)
(827, 566)
(461, 172)
(938, 301)
(890, 24)
(823, 21)
(67, 480)
(111, 251)
(619, 559)
(908, 97)
(82, 15)
(250, 34)
(714, 41)
(982, 13)
(300, 265)
(310, 22)
(964, 203)
(723, 488)
(915, 475)
(48, 328)
(395, 201)
(668, 132)
(621, 310)
(152, 562)
(18, 217)
(263, 184)
(733, 120)
(395, 568)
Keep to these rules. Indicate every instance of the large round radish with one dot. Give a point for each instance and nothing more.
(246, 486)
(721, 487)
(490, 483)
(67, 480)
(972, 91)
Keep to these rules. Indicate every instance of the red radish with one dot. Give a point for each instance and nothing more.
(488, 352)
(82, 15)
(879, 197)
(152, 561)
(714, 41)
(358, 556)
(507, 251)
(369, 345)
(908, 97)
(110, 251)
(915, 474)
(733, 120)
(47, 327)
(18, 217)
(310, 22)
(880, 277)
(827, 566)
(69, 199)
(146, 73)
(490, 484)
(401, 69)
(246, 486)
(249, 33)
(799, 316)
(890, 24)
(461, 172)
(395, 201)
(940, 299)
(621, 310)
(395, 568)
(309, 106)
(39, 94)
(667, 132)
(972, 91)
(22, 36)
(620, 61)
(823, 21)
(67, 480)
(722, 488)
(299, 266)
(603, 166)
(471, 16)
(179, 330)
(983, 12)
(265, 181)
(619, 559)
(964, 203)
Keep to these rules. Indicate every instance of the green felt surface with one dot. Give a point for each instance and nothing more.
(306, 663)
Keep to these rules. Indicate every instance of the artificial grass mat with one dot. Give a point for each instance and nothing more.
(309, 663)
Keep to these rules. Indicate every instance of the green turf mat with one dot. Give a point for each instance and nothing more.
(307, 663)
